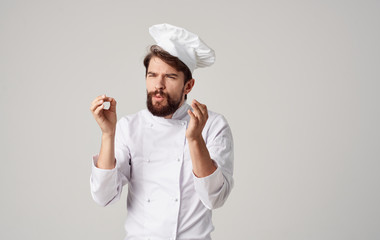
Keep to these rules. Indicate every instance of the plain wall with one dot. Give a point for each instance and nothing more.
(298, 81)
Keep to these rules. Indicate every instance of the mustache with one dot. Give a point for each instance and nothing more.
(151, 94)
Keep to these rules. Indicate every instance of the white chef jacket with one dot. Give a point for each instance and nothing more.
(165, 199)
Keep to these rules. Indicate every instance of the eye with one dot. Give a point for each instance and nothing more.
(172, 77)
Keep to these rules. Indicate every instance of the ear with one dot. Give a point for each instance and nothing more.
(188, 86)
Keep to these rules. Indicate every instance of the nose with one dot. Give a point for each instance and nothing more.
(160, 83)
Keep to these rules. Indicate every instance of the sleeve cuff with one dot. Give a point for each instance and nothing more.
(95, 159)
(210, 184)
(104, 185)
(99, 174)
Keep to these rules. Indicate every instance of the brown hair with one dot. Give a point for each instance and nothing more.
(175, 62)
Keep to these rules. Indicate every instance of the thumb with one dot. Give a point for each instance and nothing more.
(112, 105)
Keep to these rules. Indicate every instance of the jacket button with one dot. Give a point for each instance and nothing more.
(148, 200)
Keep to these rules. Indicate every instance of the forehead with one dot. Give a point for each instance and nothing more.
(159, 66)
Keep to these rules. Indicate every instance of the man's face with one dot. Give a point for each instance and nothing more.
(165, 88)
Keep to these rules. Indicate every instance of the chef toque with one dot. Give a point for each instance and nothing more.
(187, 46)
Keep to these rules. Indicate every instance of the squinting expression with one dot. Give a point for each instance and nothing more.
(165, 88)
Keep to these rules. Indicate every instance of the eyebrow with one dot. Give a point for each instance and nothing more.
(171, 75)
(167, 75)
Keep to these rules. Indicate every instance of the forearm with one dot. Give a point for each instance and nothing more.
(107, 152)
(203, 165)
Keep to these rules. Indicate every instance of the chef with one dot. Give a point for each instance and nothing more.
(175, 157)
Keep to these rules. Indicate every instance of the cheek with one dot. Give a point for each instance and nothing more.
(149, 86)
(178, 87)
(176, 90)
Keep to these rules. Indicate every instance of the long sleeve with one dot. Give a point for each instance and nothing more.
(214, 189)
(106, 184)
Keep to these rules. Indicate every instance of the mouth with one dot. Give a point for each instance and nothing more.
(158, 97)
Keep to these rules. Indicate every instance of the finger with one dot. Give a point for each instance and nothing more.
(95, 105)
(192, 116)
(103, 98)
(202, 107)
(98, 98)
(197, 111)
(108, 99)
(112, 105)
(98, 109)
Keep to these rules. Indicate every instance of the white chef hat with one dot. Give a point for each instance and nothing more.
(187, 46)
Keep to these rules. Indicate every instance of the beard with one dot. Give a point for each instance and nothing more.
(160, 109)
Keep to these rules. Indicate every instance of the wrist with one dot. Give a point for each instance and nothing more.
(108, 136)
(197, 139)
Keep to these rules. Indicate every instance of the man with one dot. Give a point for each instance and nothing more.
(177, 159)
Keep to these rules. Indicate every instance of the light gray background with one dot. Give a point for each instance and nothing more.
(298, 82)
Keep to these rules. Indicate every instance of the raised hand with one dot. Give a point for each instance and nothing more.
(198, 119)
(106, 118)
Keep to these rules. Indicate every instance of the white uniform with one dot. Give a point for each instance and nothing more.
(165, 199)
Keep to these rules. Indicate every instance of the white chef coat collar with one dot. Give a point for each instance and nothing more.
(179, 114)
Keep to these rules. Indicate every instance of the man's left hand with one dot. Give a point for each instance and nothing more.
(198, 119)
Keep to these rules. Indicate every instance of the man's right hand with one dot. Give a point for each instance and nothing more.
(106, 118)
